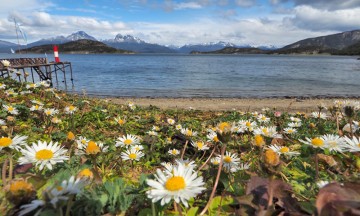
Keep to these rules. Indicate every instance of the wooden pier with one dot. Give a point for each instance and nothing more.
(44, 70)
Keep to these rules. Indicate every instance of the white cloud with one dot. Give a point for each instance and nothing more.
(187, 5)
(245, 3)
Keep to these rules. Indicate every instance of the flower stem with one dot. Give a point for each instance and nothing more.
(183, 151)
(207, 160)
(3, 173)
(11, 164)
(216, 181)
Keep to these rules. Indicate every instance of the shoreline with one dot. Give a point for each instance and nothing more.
(306, 105)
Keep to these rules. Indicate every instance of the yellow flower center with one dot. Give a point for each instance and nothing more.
(83, 141)
(70, 136)
(216, 139)
(59, 188)
(227, 159)
(200, 145)
(121, 122)
(48, 112)
(248, 124)
(317, 142)
(265, 131)
(263, 118)
(10, 109)
(128, 142)
(132, 156)
(259, 140)
(358, 145)
(216, 162)
(175, 183)
(44, 154)
(223, 126)
(189, 133)
(71, 108)
(92, 148)
(290, 131)
(36, 107)
(5, 142)
(284, 149)
(174, 151)
(19, 186)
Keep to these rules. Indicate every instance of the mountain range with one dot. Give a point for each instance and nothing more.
(345, 43)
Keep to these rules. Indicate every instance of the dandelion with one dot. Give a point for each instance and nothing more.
(50, 111)
(272, 158)
(92, 148)
(12, 110)
(14, 143)
(85, 174)
(174, 152)
(132, 154)
(170, 121)
(283, 150)
(182, 185)
(352, 144)
(70, 109)
(258, 140)
(320, 115)
(43, 154)
(200, 145)
(128, 140)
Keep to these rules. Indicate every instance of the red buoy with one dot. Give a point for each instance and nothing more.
(56, 54)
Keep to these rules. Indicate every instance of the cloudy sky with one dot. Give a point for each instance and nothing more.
(253, 22)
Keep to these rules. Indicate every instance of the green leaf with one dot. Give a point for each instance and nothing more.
(192, 211)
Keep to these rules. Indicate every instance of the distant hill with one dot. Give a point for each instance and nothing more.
(325, 44)
(6, 46)
(353, 49)
(234, 50)
(82, 46)
(205, 47)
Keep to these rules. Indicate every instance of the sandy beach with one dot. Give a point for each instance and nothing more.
(222, 104)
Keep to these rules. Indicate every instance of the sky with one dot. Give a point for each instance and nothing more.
(172, 22)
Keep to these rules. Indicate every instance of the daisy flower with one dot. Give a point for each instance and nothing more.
(44, 83)
(155, 128)
(25, 92)
(319, 115)
(223, 128)
(188, 132)
(12, 110)
(283, 150)
(352, 144)
(235, 128)
(178, 127)
(55, 120)
(36, 107)
(2, 86)
(70, 109)
(65, 189)
(334, 142)
(267, 131)
(137, 147)
(215, 160)
(186, 163)
(131, 105)
(27, 208)
(354, 127)
(81, 142)
(132, 154)
(50, 111)
(294, 119)
(200, 145)
(174, 152)
(43, 154)
(169, 167)
(10, 92)
(37, 102)
(241, 166)
(230, 160)
(120, 121)
(31, 86)
(6, 63)
(2, 122)
(290, 130)
(14, 143)
(212, 136)
(262, 118)
(170, 121)
(92, 148)
(247, 125)
(182, 185)
(152, 133)
(294, 124)
(127, 140)
(317, 142)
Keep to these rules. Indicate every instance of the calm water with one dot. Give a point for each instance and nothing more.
(214, 75)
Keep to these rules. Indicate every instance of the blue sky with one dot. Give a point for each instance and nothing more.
(172, 22)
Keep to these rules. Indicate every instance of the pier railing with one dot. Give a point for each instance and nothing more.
(40, 67)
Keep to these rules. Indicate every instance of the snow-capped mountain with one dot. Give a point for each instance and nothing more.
(6, 46)
(207, 47)
(80, 35)
(119, 38)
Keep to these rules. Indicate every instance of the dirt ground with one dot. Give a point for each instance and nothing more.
(221, 104)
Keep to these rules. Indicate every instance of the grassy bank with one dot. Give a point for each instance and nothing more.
(133, 160)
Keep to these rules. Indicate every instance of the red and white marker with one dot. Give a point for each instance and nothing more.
(56, 54)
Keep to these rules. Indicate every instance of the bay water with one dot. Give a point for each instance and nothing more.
(231, 76)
